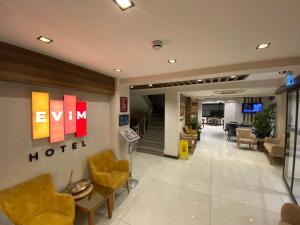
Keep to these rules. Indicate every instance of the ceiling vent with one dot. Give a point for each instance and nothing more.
(157, 44)
(227, 92)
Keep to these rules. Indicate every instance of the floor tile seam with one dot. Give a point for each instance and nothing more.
(178, 186)
(143, 192)
(254, 188)
(121, 220)
(249, 205)
(248, 185)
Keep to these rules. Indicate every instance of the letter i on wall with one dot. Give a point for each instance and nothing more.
(70, 113)
(81, 119)
(56, 121)
(40, 115)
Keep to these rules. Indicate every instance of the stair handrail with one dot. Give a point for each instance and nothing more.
(141, 125)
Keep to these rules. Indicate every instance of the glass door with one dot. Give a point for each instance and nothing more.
(296, 181)
(290, 138)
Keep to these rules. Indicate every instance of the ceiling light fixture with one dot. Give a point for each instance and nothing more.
(172, 61)
(263, 45)
(200, 80)
(44, 39)
(150, 85)
(232, 77)
(131, 87)
(117, 70)
(124, 4)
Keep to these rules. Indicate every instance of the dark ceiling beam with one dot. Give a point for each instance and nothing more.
(25, 66)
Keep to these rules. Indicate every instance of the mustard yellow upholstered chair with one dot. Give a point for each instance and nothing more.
(108, 174)
(35, 202)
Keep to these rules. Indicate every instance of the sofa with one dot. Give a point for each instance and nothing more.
(108, 174)
(290, 214)
(274, 147)
(35, 202)
(245, 136)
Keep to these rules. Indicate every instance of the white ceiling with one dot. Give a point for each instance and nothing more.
(199, 33)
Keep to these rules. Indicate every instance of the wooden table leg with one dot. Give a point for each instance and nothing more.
(109, 207)
(91, 218)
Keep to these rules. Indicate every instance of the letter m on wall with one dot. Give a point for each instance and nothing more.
(40, 115)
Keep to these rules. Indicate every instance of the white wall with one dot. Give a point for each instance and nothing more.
(280, 114)
(16, 142)
(172, 123)
(233, 111)
(119, 145)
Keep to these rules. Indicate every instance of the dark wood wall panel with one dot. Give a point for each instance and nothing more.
(25, 66)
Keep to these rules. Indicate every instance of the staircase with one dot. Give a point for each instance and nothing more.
(153, 140)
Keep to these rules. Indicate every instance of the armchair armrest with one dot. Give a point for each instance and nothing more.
(121, 165)
(62, 203)
(271, 140)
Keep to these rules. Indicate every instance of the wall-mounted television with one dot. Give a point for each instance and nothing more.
(252, 107)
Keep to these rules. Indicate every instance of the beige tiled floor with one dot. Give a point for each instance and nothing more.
(219, 185)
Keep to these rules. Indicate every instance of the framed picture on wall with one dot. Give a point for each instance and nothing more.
(123, 104)
(123, 120)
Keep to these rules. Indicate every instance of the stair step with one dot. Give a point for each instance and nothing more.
(158, 145)
(150, 152)
(151, 141)
(149, 148)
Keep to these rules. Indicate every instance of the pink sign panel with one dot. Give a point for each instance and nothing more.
(56, 121)
(70, 114)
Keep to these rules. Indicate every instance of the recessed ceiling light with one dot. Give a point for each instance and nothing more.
(150, 85)
(124, 4)
(44, 39)
(232, 77)
(171, 61)
(117, 70)
(263, 45)
(200, 80)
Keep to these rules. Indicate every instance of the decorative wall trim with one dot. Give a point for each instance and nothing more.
(25, 66)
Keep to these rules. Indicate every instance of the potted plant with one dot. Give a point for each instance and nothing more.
(263, 123)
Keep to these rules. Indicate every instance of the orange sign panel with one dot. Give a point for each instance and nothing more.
(40, 115)
(56, 121)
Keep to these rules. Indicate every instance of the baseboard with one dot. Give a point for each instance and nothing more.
(171, 156)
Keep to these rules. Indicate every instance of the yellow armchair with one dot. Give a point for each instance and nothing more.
(108, 174)
(187, 130)
(35, 202)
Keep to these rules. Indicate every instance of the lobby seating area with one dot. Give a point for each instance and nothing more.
(35, 202)
(245, 136)
(274, 147)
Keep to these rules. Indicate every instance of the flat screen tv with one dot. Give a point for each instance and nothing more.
(252, 107)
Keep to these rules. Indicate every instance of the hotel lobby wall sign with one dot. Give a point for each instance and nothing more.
(123, 104)
(55, 118)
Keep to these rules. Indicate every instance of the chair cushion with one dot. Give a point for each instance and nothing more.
(247, 141)
(48, 218)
